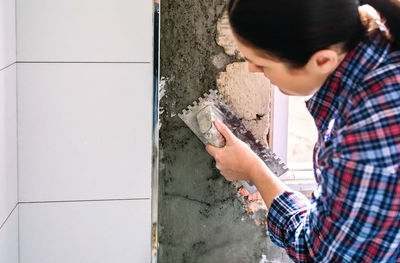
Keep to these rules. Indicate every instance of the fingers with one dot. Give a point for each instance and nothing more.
(244, 192)
(228, 135)
(255, 196)
(250, 197)
(213, 151)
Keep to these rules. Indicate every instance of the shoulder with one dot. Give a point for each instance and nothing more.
(386, 74)
(372, 128)
(378, 92)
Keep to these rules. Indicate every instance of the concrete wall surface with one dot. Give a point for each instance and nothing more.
(202, 219)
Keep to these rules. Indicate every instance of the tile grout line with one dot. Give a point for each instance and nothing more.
(18, 179)
(84, 62)
(17, 130)
(5, 221)
(15, 62)
(83, 200)
(19, 236)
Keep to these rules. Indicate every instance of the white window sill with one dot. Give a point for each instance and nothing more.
(300, 177)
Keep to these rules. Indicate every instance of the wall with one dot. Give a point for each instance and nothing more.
(201, 218)
(85, 97)
(8, 135)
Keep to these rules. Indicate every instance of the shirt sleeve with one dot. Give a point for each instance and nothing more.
(354, 215)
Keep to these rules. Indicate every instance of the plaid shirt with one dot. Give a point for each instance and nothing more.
(354, 214)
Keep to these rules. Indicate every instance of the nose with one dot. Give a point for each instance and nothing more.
(254, 68)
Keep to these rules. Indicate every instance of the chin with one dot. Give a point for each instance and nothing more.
(286, 92)
(297, 93)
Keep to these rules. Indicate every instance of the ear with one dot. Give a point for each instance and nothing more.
(323, 62)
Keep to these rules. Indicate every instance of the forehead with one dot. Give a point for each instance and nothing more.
(260, 60)
(253, 54)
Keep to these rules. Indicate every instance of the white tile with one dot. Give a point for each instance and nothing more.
(85, 232)
(84, 30)
(8, 142)
(9, 239)
(7, 33)
(84, 131)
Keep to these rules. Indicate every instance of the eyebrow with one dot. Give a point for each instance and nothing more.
(266, 56)
(257, 65)
(249, 60)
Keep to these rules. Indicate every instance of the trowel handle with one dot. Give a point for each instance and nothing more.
(250, 188)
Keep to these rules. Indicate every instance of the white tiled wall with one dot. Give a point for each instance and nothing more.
(84, 81)
(9, 239)
(84, 30)
(85, 232)
(84, 131)
(7, 33)
(8, 142)
(8, 135)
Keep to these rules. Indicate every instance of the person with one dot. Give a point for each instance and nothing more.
(346, 54)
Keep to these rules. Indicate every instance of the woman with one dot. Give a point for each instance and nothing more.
(348, 57)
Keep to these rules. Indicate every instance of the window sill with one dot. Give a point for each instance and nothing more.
(300, 177)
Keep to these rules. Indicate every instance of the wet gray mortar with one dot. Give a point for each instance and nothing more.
(201, 219)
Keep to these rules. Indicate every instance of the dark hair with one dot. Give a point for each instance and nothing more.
(293, 31)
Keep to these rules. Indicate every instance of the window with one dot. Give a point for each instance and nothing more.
(293, 136)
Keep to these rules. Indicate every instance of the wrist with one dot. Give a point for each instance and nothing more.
(257, 169)
(266, 182)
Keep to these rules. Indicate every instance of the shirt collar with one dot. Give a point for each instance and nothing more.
(364, 58)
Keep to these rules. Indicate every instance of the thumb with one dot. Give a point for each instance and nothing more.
(224, 130)
(212, 150)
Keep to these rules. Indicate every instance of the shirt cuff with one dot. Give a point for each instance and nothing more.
(286, 211)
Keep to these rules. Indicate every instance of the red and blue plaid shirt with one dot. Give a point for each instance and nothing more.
(354, 214)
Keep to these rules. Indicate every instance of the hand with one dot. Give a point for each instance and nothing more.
(235, 161)
(250, 197)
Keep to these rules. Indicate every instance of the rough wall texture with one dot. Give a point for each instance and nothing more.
(201, 216)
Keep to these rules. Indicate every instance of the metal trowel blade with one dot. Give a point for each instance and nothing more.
(200, 116)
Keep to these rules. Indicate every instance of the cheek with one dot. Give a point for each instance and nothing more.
(287, 84)
(278, 78)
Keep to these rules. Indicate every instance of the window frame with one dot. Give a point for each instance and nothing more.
(300, 176)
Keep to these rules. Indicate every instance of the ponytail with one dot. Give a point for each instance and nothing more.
(390, 11)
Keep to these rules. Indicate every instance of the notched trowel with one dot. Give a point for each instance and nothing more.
(200, 117)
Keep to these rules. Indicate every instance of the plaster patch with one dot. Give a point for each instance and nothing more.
(249, 95)
(220, 60)
(225, 38)
(259, 127)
